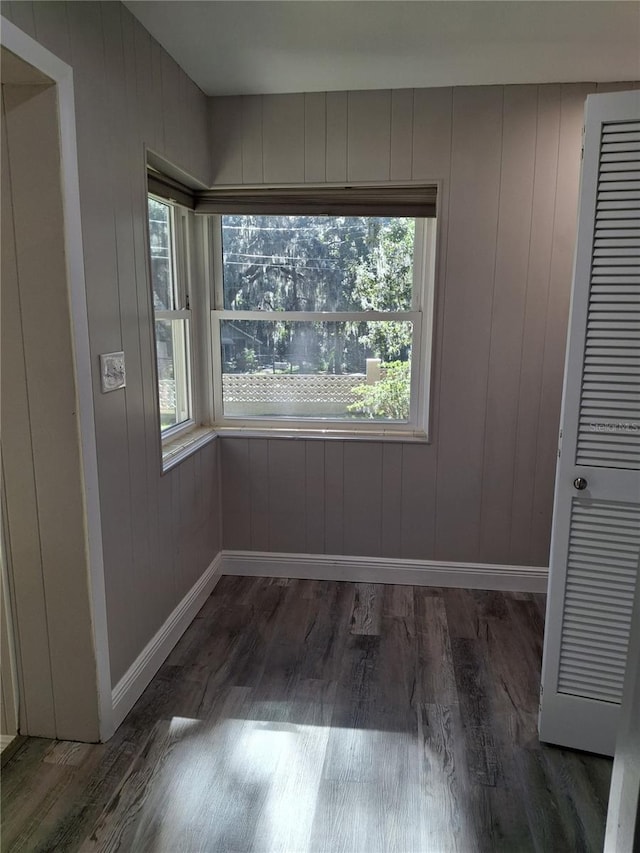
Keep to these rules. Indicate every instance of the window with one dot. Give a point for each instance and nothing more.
(312, 309)
(170, 277)
(322, 322)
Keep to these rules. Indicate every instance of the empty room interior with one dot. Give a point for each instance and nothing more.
(320, 426)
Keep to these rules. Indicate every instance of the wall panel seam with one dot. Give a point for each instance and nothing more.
(491, 330)
(440, 302)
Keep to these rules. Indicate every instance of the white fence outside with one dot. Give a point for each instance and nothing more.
(279, 393)
(167, 395)
(295, 394)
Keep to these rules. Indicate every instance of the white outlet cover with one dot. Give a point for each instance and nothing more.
(112, 372)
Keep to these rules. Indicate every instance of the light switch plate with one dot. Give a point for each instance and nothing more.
(112, 373)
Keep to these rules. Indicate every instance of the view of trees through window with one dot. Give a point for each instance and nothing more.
(324, 265)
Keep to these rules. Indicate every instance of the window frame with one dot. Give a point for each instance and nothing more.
(182, 225)
(421, 316)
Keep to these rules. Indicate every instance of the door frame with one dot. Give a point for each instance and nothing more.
(9, 676)
(623, 816)
(34, 54)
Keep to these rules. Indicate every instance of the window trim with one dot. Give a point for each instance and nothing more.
(182, 270)
(423, 294)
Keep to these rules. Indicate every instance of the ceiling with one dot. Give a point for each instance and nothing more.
(237, 47)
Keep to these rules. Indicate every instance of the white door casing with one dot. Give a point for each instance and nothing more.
(596, 522)
(623, 815)
(82, 595)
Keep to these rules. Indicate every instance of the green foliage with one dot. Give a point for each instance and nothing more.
(247, 361)
(387, 398)
(383, 282)
(384, 274)
(389, 340)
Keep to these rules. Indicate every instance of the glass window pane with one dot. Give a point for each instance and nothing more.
(353, 371)
(172, 347)
(160, 242)
(317, 263)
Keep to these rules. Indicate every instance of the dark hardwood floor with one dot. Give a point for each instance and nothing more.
(301, 716)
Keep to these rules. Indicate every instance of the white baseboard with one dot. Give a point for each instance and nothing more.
(130, 687)
(385, 570)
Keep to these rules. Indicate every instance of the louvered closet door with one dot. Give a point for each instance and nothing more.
(595, 548)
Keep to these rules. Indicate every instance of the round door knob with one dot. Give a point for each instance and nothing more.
(580, 483)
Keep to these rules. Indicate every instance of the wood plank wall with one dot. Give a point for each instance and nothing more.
(482, 491)
(159, 532)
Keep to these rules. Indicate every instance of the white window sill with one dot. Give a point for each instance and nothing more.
(175, 450)
(181, 447)
(406, 436)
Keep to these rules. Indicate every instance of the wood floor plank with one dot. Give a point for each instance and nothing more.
(170, 694)
(397, 670)
(235, 646)
(434, 670)
(299, 744)
(62, 823)
(20, 768)
(67, 752)
(300, 715)
(166, 799)
(117, 826)
(500, 824)
(573, 778)
(22, 813)
(482, 755)
(444, 780)
(85, 810)
(543, 814)
(348, 818)
(398, 601)
(367, 609)
(465, 619)
(513, 661)
(327, 629)
(351, 750)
